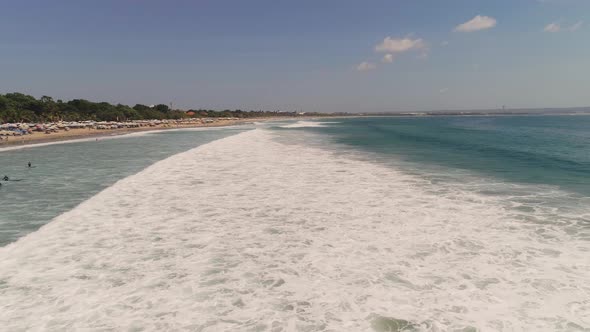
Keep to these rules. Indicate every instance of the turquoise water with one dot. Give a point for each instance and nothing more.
(65, 175)
(547, 150)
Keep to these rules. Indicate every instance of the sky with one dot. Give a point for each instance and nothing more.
(307, 55)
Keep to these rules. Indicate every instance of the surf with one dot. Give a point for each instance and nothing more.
(247, 233)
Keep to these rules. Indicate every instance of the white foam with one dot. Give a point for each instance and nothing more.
(304, 124)
(249, 234)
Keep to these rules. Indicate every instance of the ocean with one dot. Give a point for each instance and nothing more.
(478, 223)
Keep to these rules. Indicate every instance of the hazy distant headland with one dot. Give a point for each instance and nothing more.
(519, 111)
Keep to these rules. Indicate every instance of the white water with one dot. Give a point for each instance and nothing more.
(302, 124)
(248, 234)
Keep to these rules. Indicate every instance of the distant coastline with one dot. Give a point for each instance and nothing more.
(21, 108)
(490, 112)
(25, 119)
(36, 137)
(92, 132)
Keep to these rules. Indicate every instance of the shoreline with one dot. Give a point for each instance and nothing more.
(85, 133)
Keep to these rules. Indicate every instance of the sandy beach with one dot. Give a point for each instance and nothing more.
(77, 133)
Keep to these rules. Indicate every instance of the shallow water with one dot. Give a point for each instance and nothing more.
(66, 174)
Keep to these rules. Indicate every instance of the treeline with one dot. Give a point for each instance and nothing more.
(18, 107)
(202, 113)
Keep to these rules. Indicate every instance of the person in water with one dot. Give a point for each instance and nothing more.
(5, 178)
(29, 164)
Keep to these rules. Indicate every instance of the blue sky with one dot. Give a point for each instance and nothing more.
(322, 55)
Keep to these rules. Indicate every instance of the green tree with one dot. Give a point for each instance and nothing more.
(162, 108)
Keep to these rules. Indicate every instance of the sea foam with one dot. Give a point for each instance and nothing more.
(249, 234)
(306, 124)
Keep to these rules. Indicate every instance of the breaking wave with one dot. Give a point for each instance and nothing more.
(306, 124)
(246, 233)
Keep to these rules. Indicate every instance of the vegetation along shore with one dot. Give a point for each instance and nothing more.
(25, 119)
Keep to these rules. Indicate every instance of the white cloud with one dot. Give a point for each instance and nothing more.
(552, 27)
(387, 58)
(477, 23)
(556, 27)
(576, 26)
(400, 45)
(366, 66)
(394, 46)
